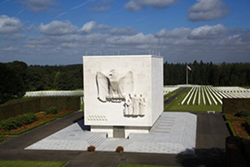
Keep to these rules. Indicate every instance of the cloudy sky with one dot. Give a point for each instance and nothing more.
(62, 31)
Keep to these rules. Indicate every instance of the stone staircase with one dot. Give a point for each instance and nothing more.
(96, 139)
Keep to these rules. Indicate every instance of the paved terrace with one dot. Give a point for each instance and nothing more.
(173, 133)
(210, 145)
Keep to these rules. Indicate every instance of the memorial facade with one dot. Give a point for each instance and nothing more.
(122, 94)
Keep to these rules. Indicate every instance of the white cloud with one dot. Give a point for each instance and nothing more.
(57, 28)
(136, 5)
(139, 38)
(208, 32)
(38, 5)
(122, 31)
(64, 43)
(87, 27)
(175, 33)
(10, 24)
(245, 37)
(205, 10)
(9, 49)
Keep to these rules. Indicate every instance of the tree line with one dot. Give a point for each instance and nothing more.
(17, 77)
(233, 74)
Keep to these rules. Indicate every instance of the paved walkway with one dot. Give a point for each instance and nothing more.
(210, 144)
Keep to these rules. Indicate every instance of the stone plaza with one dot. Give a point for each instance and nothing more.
(173, 133)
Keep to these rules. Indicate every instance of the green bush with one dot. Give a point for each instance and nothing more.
(16, 122)
(51, 110)
(27, 118)
(242, 114)
(247, 124)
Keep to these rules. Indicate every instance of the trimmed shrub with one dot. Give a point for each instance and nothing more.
(91, 148)
(37, 104)
(19, 107)
(232, 105)
(51, 110)
(16, 122)
(63, 103)
(242, 114)
(119, 149)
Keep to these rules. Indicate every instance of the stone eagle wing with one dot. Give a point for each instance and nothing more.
(102, 83)
(126, 84)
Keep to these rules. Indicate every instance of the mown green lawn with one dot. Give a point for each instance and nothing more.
(31, 164)
(137, 165)
(175, 105)
(171, 93)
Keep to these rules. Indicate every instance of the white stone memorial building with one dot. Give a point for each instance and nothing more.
(122, 94)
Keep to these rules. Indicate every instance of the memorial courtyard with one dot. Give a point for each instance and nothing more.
(67, 139)
(210, 145)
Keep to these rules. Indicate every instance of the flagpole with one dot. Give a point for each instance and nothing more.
(186, 75)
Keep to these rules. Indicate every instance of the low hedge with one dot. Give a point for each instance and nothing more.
(19, 107)
(17, 122)
(62, 102)
(37, 104)
(52, 110)
(242, 114)
(233, 105)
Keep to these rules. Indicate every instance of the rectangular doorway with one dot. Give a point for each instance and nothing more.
(119, 131)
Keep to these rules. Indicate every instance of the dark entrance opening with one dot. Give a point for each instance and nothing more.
(119, 131)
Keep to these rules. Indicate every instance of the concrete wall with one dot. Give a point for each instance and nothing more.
(157, 88)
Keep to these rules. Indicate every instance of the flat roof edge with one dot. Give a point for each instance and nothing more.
(112, 56)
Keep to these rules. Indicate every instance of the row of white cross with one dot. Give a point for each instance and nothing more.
(169, 89)
(54, 93)
(213, 95)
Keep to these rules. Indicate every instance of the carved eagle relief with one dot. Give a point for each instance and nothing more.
(113, 88)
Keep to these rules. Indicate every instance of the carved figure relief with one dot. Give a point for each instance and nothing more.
(135, 106)
(115, 89)
(142, 105)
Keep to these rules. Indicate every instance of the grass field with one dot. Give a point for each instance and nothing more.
(175, 105)
(31, 164)
(171, 93)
